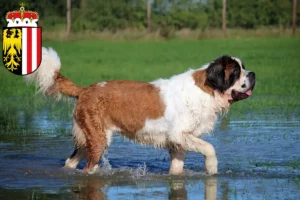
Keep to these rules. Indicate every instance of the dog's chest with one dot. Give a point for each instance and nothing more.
(188, 118)
(197, 119)
(188, 110)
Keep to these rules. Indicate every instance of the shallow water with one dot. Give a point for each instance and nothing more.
(258, 156)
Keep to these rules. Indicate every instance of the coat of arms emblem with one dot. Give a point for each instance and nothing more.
(22, 42)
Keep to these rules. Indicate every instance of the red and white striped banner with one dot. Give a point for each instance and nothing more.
(31, 49)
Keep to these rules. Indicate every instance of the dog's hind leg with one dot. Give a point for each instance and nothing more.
(75, 158)
(96, 145)
(96, 142)
(80, 150)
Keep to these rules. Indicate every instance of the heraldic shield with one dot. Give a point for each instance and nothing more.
(22, 49)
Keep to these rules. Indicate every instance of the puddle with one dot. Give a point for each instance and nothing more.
(258, 159)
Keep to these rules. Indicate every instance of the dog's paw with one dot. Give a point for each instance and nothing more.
(211, 165)
(91, 170)
(70, 164)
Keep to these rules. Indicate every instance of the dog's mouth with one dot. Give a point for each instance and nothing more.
(240, 95)
(237, 96)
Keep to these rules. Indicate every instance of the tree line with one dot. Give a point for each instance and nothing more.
(99, 15)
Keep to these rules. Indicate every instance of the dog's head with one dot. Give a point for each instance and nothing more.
(227, 75)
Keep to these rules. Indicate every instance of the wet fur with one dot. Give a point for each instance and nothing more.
(169, 113)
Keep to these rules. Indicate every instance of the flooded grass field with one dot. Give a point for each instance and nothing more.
(258, 159)
(257, 142)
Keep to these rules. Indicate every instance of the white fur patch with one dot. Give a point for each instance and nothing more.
(78, 135)
(205, 66)
(44, 75)
(177, 162)
(238, 61)
(188, 110)
(238, 84)
(109, 135)
(101, 84)
(74, 161)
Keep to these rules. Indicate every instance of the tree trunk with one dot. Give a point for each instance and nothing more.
(68, 17)
(224, 18)
(294, 16)
(149, 15)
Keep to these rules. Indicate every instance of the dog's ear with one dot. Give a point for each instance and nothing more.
(215, 76)
(222, 73)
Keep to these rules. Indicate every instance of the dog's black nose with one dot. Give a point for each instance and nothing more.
(251, 75)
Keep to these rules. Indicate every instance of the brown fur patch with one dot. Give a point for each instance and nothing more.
(122, 104)
(200, 80)
(228, 70)
(64, 85)
(119, 104)
(175, 147)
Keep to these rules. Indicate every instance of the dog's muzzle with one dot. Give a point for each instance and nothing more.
(237, 96)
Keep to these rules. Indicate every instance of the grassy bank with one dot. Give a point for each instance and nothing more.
(169, 33)
(276, 62)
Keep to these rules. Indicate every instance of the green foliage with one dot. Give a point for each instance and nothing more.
(214, 11)
(106, 14)
(168, 15)
(249, 14)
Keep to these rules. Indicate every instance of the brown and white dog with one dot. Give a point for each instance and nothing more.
(169, 113)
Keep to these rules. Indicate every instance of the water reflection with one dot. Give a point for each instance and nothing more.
(35, 144)
(211, 188)
(95, 189)
(177, 190)
(89, 189)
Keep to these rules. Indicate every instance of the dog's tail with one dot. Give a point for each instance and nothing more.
(48, 78)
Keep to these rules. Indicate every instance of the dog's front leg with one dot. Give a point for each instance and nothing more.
(177, 161)
(195, 144)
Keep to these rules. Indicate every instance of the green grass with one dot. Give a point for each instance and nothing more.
(275, 61)
(295, 164)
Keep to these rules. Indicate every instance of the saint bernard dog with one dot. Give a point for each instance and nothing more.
(168, 113)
